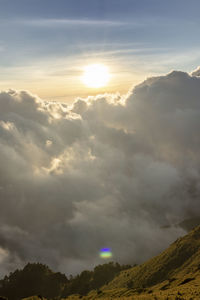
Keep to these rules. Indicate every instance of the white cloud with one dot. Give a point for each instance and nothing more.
(49, 22)
(101, 172)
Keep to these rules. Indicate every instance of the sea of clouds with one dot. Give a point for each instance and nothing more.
(106, 171)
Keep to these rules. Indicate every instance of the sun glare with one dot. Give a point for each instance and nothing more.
(96, 76)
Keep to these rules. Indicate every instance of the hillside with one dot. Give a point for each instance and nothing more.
(181, 256)
(175, 272)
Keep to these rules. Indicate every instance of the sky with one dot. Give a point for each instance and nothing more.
(115, 167)
(44, 45)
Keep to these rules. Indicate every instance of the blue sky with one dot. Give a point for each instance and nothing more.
(44, 43)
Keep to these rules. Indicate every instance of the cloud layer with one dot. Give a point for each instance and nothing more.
(106, 171)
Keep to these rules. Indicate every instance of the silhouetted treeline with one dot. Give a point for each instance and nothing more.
(34, 279)
(38, 279)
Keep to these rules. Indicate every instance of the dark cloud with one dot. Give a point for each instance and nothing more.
(106, 171)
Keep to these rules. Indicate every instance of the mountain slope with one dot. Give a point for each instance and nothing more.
(183, 255)
(176, 268)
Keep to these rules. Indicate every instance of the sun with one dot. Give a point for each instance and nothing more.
(96, 76)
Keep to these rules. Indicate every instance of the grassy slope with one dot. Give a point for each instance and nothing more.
(181, 256)
(161, 277)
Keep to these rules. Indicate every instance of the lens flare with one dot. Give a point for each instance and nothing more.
(105, 253)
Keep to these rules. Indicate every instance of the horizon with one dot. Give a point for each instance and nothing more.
(45, 46)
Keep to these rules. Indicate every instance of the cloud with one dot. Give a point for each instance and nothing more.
(106, 171)
(48, 22)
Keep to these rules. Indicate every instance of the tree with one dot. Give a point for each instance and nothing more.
(34, 279)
